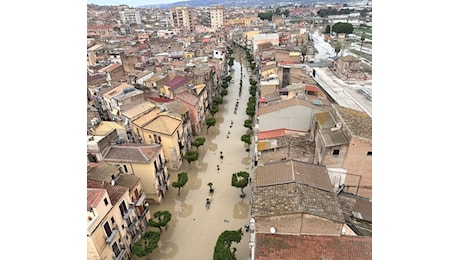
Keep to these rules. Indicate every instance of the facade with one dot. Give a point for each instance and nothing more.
(120, 98)
(217, 16)
(146, 161)
(107, 220)
(114, 72)
(343, 139)
(164, 129)
(182, 18)
(130, 16)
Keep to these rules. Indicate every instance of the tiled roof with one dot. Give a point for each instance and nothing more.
(93, 196)
(359, 123)
(294, 197)
(102, 172)
(163, 124)
(176, 106)
(270, 134)
(288, 171)
(127, 180)
(188, 97)
(115, 192)
(306, 247)
(94, 27)
(177, 82)
(132, 153)
(273, 107)
(111, 67)
(324, 120)
(138, 109)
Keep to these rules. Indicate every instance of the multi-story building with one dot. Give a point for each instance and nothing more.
(146, 161)
(217, 16)
(182, 17)
(343, 139)
(130, 16)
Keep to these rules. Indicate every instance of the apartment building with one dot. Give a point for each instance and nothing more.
(182, 17)
(130, 16)
(216, 15)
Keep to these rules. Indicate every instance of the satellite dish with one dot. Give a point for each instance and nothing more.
(272, 230)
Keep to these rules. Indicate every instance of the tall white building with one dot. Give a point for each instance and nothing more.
(216, 14)
(130, 16)
(182, 17)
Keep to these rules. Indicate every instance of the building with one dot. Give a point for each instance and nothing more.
(216, 14)
(343, 139)
(182, 18)
(130, 16)
(146, 161)
(104, 172)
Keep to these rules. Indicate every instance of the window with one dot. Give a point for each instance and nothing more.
(113, 220)
(369, 153)
(125, 167)
(116, 249)
(107, 229)
(335, 152)
(123, 208)
(106, 202)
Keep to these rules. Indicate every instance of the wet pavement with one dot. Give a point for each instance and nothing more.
(193, 230)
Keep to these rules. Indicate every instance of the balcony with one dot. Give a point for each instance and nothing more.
(127, 213)
(120, 255)
(141, 199)
(143, 214)
(112, 236)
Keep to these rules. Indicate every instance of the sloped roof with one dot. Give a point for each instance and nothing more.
(115, 192)
(359, 123)
(270, 134)
(188, 97)
(274, 107)
(176, 106)
(163, 124)
(177, 82)
(300, 247)
(93, 196)
(132, 153)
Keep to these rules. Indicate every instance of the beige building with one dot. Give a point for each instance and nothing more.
(182, 17)
(104, 172)
(108, 218)
(343, 139)
(217, 16)
(146, 161)
(164, 129)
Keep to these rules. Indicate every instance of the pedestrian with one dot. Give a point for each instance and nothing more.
(250, 180)
(208, 203)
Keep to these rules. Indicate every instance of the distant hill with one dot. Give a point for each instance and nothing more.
(229, 3)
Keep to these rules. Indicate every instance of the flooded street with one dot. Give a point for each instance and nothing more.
(193, 230)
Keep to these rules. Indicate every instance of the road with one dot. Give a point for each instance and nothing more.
(344, 93)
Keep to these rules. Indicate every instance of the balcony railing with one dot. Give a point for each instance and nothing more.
(112, 236)
(127, 213)
(141, 199)
(121, 255)
(142, 215)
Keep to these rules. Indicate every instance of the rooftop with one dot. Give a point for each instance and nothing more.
(132, 153)
(359, 123)
(164, 124)
(115, 192)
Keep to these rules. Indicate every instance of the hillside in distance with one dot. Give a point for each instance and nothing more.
(229, 3)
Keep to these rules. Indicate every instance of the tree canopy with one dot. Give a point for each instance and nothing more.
(223, 249)
(210, 121)
(199, 141)
(240, 180)
(340, 27)
(182, 179)
(148, 242)
(160, 219)
(191, 156)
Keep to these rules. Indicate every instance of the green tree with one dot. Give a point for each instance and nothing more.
(250, 111)
(214, 109)
(252, 66)
(182, 179)
(191, 156)
(223, 249)
(218, 100)
(328, 29)
(199, 141)
(228, 78)
(148, 242)
(230, 63)
(340, 27)
(210, 121)
(223, 93)
(224, 85)
(248, 123)
(160, 219)
(246, 139)
(240, 180)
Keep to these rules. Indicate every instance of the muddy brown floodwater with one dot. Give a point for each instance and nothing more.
(193, 230)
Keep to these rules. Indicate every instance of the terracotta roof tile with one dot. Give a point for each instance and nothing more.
(115, 192)
(177, 82)
(93, 196)
(132, 153)
(305, 247)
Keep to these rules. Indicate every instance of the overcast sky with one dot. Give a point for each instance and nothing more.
(131, 3)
